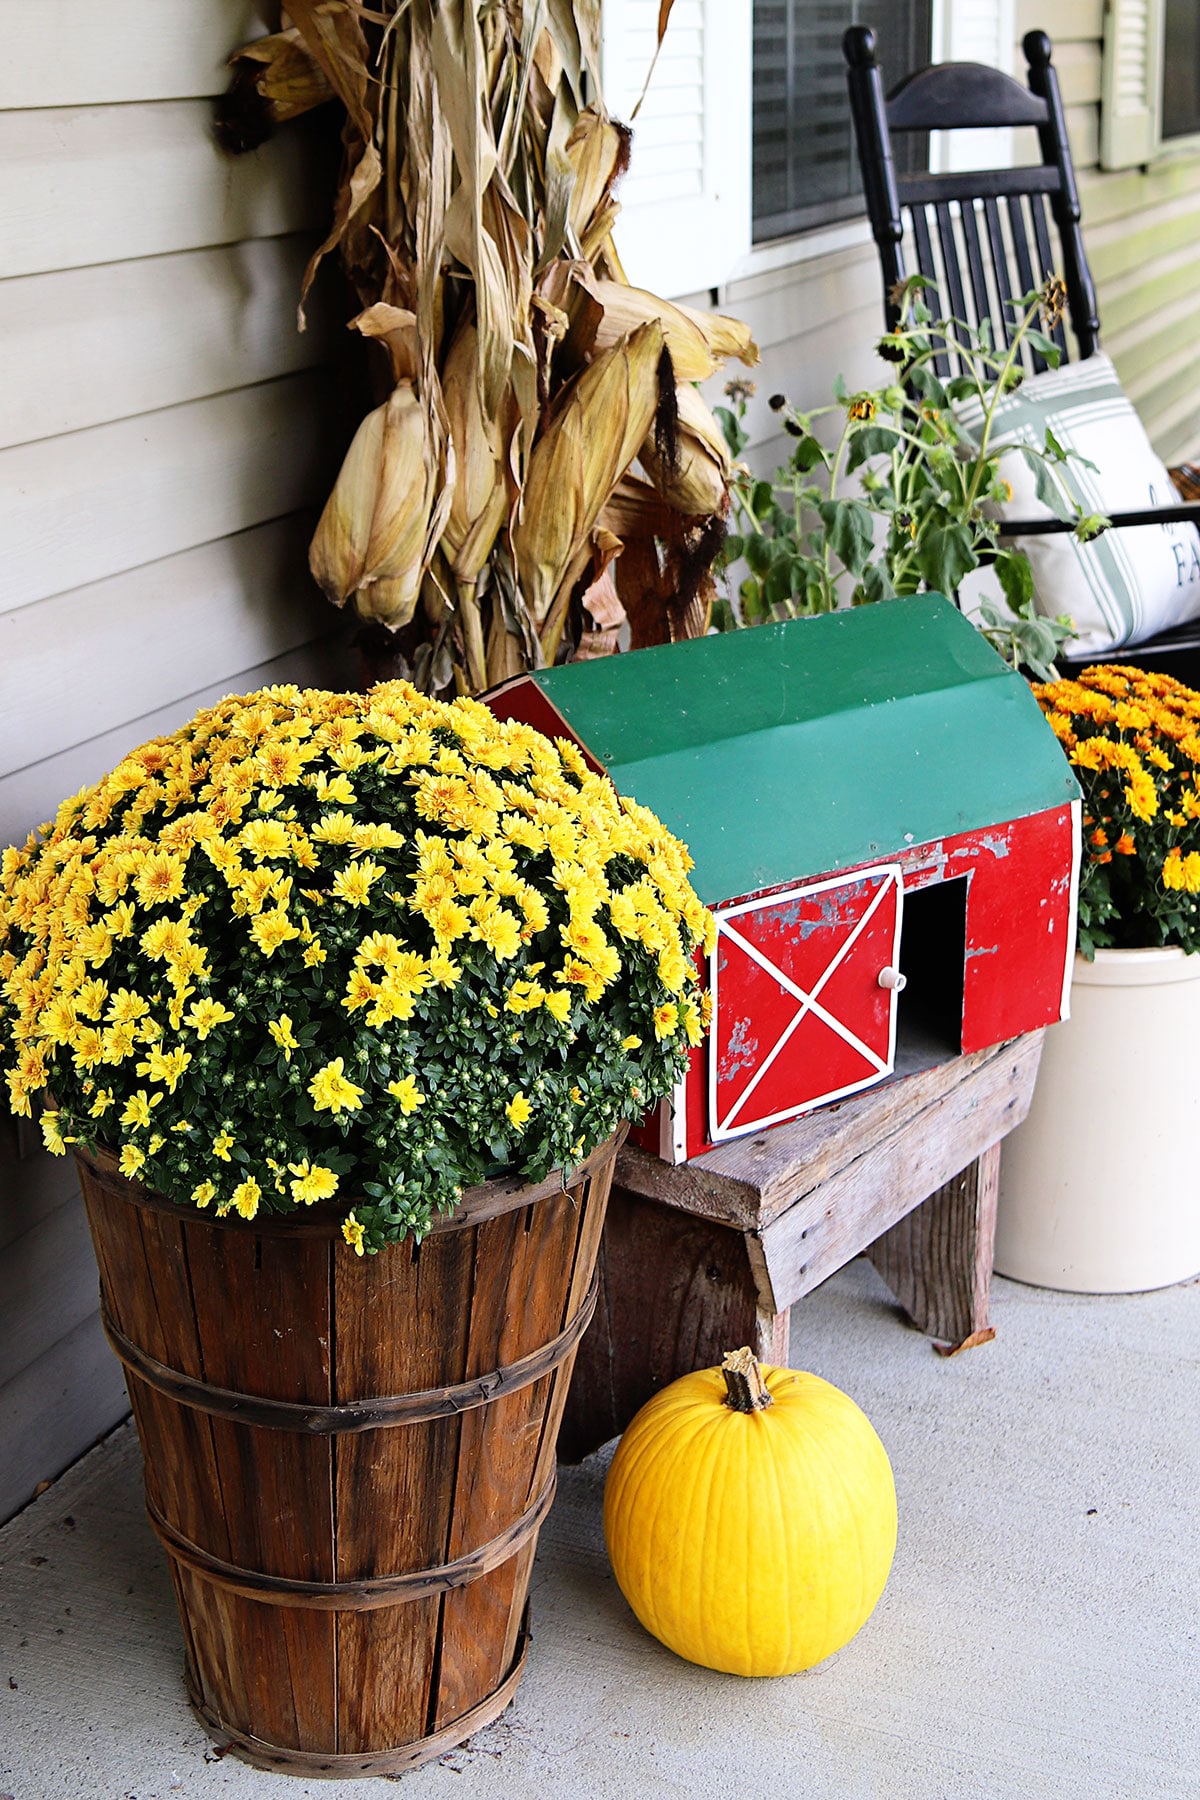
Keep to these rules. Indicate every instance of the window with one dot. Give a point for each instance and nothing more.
(1150, 87)
(1181, 69)
(744, 134)
(805, 168)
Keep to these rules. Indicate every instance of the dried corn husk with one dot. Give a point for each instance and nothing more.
(288, 78)
(579, 459)
(488, 510)
(598, 152)
(371, 541)
(480, 503)
(699, 342)
(697, 481)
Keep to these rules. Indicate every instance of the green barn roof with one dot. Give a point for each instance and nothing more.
(796, 749)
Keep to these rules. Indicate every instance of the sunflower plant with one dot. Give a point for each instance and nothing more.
(1133, 740)
(344, 948)
(889, 490)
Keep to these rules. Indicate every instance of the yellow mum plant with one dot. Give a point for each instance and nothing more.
(1133, 740)
(364, 948)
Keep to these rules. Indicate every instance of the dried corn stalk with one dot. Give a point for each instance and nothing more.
(542, 471)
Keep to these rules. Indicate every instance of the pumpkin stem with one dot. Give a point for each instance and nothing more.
(747, 1392)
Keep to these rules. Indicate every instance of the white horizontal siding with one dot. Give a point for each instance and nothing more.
(56, 1408)
(53, 1255)
(164, 441)
(79, 347)
(151, 636)
(98, 184)
(32, 794)
(31, 1187)
(92, 503)
(97, 52)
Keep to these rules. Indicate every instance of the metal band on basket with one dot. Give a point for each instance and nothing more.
(354, 1415)
(355, 1596)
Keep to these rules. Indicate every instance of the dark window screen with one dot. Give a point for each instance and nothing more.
(805, 166)
(1181, 69)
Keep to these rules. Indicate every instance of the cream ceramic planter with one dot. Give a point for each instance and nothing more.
(1100, 1187)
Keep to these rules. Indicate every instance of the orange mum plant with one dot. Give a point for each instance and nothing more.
(1133, 740)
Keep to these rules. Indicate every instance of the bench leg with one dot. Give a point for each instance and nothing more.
(938, 1259)
(676, 1292)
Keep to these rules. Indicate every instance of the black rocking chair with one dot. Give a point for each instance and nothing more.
(986, 236)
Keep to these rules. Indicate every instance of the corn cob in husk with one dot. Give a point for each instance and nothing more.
(695, 480)
(372, 540)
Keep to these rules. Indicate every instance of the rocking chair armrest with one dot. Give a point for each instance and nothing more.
(1187, 513)
(1186, 480)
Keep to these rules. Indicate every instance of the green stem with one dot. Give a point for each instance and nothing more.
(835, 469)
(998, 392)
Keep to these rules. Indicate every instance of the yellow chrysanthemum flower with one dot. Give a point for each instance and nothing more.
(353, 885)
(334, 828)
(407, 1093)
(52, 1135)
(313, 1182)
(265, 838)
(165, 1065)
(332, 1091)
(519, 1111)
(166, 940)
(137, 1109)
(666, 1018)
(336, 788)
(353, 1233)
(130, 1160)
(281, 1031)
(246, 1196)
(272, 929)
(160, 879)
(495, 927)
(205, 1015)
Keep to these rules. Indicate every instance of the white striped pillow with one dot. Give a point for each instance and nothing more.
(1124, 586)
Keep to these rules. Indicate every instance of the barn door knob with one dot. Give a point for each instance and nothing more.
(892, 978)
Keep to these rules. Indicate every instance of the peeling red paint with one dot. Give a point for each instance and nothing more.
(1018, 931)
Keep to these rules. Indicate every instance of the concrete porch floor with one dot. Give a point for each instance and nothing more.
(1038, 1639)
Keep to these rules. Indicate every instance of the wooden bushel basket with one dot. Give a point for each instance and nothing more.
(348, 1459)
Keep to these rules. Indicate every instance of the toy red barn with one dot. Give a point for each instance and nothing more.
(883, 824)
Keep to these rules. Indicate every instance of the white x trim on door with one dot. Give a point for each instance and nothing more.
(731, 1125)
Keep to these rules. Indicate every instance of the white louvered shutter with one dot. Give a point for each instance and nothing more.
(685, 202)
(1131, 82)
(980, 31)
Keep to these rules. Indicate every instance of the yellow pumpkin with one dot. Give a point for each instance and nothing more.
(750, 1516)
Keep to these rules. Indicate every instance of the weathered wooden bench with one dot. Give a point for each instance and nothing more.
(702, 1257)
